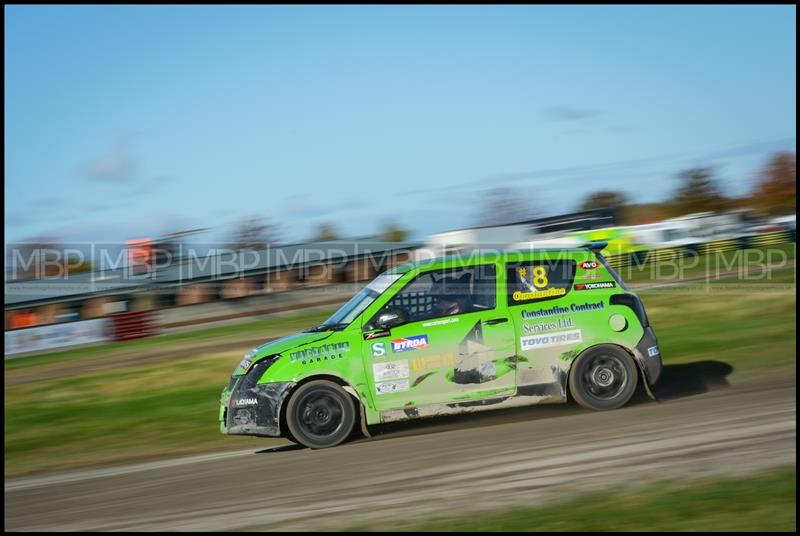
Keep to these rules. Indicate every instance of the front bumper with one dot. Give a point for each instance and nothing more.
(248, 408)
(648, 354)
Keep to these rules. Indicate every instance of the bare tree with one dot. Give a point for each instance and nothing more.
(325, 232)
(254, 233)
(616, 201)
(698, 192)
(502, 206)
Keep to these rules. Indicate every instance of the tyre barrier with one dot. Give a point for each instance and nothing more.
(718, 246)
(769, 239)
(618, 262)
(133, 325)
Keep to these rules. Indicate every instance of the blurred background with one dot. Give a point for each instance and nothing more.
(182, 183)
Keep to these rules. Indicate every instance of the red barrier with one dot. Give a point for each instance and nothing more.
(133, 325)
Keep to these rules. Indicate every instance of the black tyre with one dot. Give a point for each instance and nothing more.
(603, 377)
(320, 414)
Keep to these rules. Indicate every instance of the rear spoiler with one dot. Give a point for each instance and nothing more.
(596, 247)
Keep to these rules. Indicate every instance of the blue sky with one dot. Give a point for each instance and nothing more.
(128, 121)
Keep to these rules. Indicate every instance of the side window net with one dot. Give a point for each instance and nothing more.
(448, 292)
(416, 303)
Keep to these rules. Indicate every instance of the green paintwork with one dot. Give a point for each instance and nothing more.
(513, 354)
(619, 240)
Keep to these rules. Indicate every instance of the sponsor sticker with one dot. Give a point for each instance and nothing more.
(583, 307)
(595, 286)
(376, 334)
(247, 360)
(391, 370)
(560, 338)
(321, 353)
(441, 322)
(652, 351)
(536, 294)
(385, 388)
(589, 265)
(378, 349)
(243, 402)
(419, 364)
(591, 276)
(409, 343)
(558, 323)
(558, 310)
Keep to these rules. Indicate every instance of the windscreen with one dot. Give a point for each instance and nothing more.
(356, 305)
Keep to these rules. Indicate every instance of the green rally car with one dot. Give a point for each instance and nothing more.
(451, 335)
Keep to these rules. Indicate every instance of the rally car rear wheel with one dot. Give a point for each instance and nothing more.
(320, 414)
(603, 377)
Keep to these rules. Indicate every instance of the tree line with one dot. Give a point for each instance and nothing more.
(698, 189)
(773, 193)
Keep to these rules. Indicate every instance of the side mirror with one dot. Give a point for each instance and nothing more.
(390, 318)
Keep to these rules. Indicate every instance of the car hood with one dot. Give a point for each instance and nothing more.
(279, 346)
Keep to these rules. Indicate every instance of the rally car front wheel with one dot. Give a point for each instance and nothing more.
(603, 377)
(320, 414)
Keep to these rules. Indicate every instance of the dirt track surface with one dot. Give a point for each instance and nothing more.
(701, 427)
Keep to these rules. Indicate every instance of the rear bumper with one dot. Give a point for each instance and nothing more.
(648, 354)
(253, 409)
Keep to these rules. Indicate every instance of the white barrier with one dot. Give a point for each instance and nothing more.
(58, 336)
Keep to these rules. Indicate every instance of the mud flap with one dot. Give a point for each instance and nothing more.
(364, 429)
(362, 412)
(648, 356)
(644, 377)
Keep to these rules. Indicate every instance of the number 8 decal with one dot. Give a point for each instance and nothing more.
(539, 277)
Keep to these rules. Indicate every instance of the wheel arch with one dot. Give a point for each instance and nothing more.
(349, 389)
(639, 366)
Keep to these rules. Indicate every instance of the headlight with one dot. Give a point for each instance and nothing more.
(256, 371)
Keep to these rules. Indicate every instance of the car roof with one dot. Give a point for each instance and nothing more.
(481, 257)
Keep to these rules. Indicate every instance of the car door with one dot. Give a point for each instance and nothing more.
(456, 343)
(549, 319)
